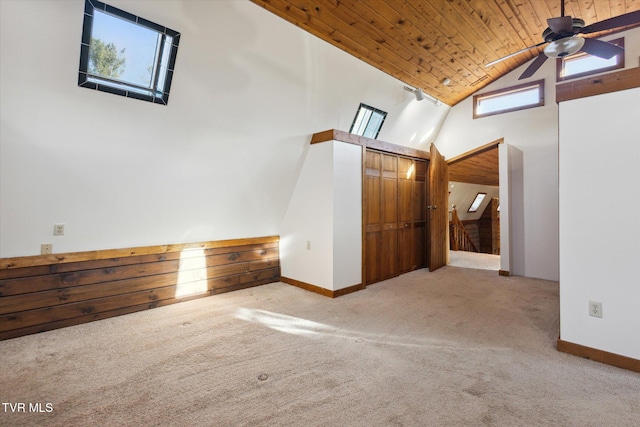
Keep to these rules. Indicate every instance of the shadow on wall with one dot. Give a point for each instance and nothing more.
(516, 212)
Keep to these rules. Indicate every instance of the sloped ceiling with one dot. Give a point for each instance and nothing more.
(480, 168)
(424, 42)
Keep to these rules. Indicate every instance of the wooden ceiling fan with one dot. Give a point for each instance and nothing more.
(563, 38)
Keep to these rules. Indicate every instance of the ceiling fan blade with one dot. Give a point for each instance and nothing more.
(563, 24)
(511, 55)
(615, 22)
(601, 49)
(535, 65)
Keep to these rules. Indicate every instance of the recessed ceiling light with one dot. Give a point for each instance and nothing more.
(446, 81)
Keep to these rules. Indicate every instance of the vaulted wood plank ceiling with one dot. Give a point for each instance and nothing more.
(424, 42)
(480, 168)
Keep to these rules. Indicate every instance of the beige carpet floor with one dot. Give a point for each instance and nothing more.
(456, 347)
(474, 260)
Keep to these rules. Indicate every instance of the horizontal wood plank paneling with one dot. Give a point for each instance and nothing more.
(42, 297)
(52, 259)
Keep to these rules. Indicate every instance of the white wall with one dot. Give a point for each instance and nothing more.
(347, 215)
(599, 210)
(325, 212)
(533, 132)
(220, 161)
(309, 218)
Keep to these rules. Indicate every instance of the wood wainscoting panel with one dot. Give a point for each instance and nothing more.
(43, 297)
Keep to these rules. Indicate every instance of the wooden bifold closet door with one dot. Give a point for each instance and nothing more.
(394, 215)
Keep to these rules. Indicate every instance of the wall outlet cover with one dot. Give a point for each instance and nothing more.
(595, 309)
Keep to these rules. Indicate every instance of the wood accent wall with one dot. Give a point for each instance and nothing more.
(42, 293)
(489, 229)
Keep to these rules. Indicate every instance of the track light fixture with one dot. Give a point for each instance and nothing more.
(420, 95)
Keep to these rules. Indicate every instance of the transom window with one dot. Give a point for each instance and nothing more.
(368, 121)
(514, 98)
(582, 64)
(126, 55)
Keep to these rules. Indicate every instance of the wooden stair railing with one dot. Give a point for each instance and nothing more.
(460, 239)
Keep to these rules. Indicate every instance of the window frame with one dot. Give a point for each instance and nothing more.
(130, 90)
(484, 196)
(560, 63)
(373, 110)
(518, 88)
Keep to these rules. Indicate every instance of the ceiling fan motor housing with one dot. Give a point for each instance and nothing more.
(564, 43)
(548, 35)
(564, 47)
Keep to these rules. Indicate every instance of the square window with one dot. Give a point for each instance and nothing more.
(126, 55)
(368, 121)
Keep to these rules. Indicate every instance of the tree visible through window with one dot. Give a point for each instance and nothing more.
(105, 60)
(126, 55)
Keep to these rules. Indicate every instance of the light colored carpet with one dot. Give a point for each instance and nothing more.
(456, 347)
(474, 260)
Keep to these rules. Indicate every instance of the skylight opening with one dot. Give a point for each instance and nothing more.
(126, 55)
(475, 205)
(582, 64)
(368, 121)
(515, 98)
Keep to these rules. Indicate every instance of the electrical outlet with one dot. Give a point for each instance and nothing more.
(58, 230)
(595, 309)
(46, 248)
(308, 245)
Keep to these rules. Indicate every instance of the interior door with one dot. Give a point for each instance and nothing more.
(437, 209)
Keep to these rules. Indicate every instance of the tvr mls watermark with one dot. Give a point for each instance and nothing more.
(27, 407)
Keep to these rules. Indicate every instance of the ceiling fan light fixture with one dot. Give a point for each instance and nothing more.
(564, 47)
